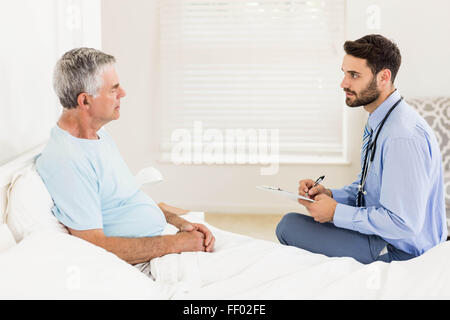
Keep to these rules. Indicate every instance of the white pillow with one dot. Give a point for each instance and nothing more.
(29, 206)
(53, 265)
(6, 238)
(149, 175)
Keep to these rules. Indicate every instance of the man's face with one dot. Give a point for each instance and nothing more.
(105, 107)
(359, 84)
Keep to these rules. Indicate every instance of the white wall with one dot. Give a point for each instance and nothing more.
(422, 31)
(28, 49)
(130, 32)
(34, 34)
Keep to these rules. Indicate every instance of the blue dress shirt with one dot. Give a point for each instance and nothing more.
(405, 187)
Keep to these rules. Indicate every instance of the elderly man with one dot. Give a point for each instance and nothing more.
(95, 195)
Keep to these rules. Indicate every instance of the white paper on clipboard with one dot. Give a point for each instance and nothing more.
(284, 193)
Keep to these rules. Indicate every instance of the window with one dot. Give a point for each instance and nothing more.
(261, 70)
(37, 33)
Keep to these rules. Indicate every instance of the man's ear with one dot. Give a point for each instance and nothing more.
(83, 100)
(385, 76)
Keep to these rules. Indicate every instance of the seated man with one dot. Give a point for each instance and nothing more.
(95, 195)
(395, 208)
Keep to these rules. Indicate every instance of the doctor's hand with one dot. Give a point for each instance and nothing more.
(322, 210)
(307, 186)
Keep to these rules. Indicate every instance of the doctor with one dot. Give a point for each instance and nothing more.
(395, 209)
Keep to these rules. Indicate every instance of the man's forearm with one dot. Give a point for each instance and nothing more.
(172, 214)
(137, 250)
(174, 220)
(171, 209)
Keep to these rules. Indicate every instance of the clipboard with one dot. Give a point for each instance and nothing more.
(284, 193)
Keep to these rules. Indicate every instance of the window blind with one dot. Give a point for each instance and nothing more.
(257, 67)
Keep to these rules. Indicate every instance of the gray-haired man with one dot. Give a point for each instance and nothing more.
(95, 195)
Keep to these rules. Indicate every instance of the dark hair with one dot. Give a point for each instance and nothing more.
(380, 53)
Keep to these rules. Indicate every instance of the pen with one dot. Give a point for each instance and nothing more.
(319, 180)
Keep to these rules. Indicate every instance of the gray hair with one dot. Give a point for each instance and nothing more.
(79, 70)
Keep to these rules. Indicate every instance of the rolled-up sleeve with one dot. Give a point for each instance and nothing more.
(403, 194)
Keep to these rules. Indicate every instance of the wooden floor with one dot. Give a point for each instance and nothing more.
(261, 226)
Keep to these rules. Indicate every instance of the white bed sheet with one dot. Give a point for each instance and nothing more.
(50, 265)
(246, 268)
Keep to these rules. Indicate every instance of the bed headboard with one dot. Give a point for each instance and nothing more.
(8, 170)
(436, 111)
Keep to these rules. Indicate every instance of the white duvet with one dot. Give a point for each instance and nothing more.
(52, 265)
(246, 268)
(49, 265)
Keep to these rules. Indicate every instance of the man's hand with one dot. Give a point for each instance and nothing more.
(207, 234)
(173, 217)
(200, 239)
(189, 241)
(322, 210)
(307, 186)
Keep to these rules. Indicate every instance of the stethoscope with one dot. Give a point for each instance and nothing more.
(372, 147)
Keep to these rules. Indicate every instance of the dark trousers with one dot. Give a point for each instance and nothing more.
(303, 232)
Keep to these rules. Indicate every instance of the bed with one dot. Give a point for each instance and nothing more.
(40, 260)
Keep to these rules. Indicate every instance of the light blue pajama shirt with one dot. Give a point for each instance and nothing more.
(93, 188)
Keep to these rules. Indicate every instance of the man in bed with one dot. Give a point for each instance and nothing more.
(95, 195)
(399, 212)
